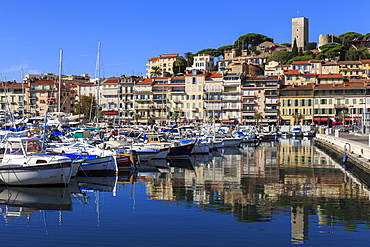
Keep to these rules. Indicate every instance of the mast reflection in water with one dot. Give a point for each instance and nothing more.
(278, 193)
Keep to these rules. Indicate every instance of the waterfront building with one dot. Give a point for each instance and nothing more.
(237, 61)
(213, 88)
(194, 89)
(176, 98)
(159, 108)
(110, 97)
(13, 97)
(365, 69)
(202, 62)
(300, 32)
(350, 69)
(126, 97)
(66, 78)
(260, 95)
(296, 104)
(143, 100)
(342, 103)
(43, 95)
(164, 62)
(269, 47)
(231, 97)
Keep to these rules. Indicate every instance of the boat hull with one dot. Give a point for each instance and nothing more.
(49, 174)
(98, 165)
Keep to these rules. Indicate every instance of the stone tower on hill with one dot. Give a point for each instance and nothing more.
(300, 32)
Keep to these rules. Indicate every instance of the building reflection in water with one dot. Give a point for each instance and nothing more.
(254, 183)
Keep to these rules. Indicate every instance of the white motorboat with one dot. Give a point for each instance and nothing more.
(297, 132)
(25, 163)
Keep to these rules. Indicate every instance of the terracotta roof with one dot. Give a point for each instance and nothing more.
(291, 72)
(298, 87)
(329, 63)
(316, 61)
(169, 55)
(335, 75)
(13, 85)
(147, 81)
(301, 62)
(153, 58)
(365, 61)
(349, 62)
(111, 81)
(356, 85)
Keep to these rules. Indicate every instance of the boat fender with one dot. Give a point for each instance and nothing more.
(345, 158)
(84, 153)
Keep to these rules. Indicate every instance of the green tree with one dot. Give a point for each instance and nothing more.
(367, 36)
(175, 116)
(300, 58)
(342, 115)
(346, 38)
(136, 117)
(156, 71)
(86, 106)
(258, 116)
(209, 51)
(295, 49)
(189, 57)
(287, 44)
(297, 118)
(333, 50)
(281, 56)
(179, 66)
(221, 50)
(354, 53)
(251, 40)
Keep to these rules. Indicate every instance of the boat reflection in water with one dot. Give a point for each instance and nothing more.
(22, 201)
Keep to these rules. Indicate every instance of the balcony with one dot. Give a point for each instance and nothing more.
(271, 103)
(249, 102)
(270, 110)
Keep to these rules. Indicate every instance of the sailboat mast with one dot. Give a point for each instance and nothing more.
(23, 97)
(60, 78)
(97, 74)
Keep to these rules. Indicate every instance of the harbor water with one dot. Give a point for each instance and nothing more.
(276, 194)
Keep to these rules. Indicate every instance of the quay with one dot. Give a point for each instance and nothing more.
(346, 148)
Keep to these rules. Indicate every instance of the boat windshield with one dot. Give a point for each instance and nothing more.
(32, 146)
(14, 148)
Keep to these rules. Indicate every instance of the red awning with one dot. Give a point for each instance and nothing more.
(337, 122)
(350, 118)
(50, 100)
(320, 119)
(227, 121)
(110, 112)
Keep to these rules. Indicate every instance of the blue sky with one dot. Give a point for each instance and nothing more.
(131, 32)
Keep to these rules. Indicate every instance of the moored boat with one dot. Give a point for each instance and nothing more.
(25, 163)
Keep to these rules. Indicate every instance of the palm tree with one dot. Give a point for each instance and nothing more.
(179, 65)
(175, 116)
(258, 116)
(189, 57)
(137, 116)
(342, 115)
(297, 118)
(156, 71)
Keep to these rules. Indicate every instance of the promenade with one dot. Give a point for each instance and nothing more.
(353, 145)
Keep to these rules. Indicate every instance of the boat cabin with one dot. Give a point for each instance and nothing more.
(22, 146)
